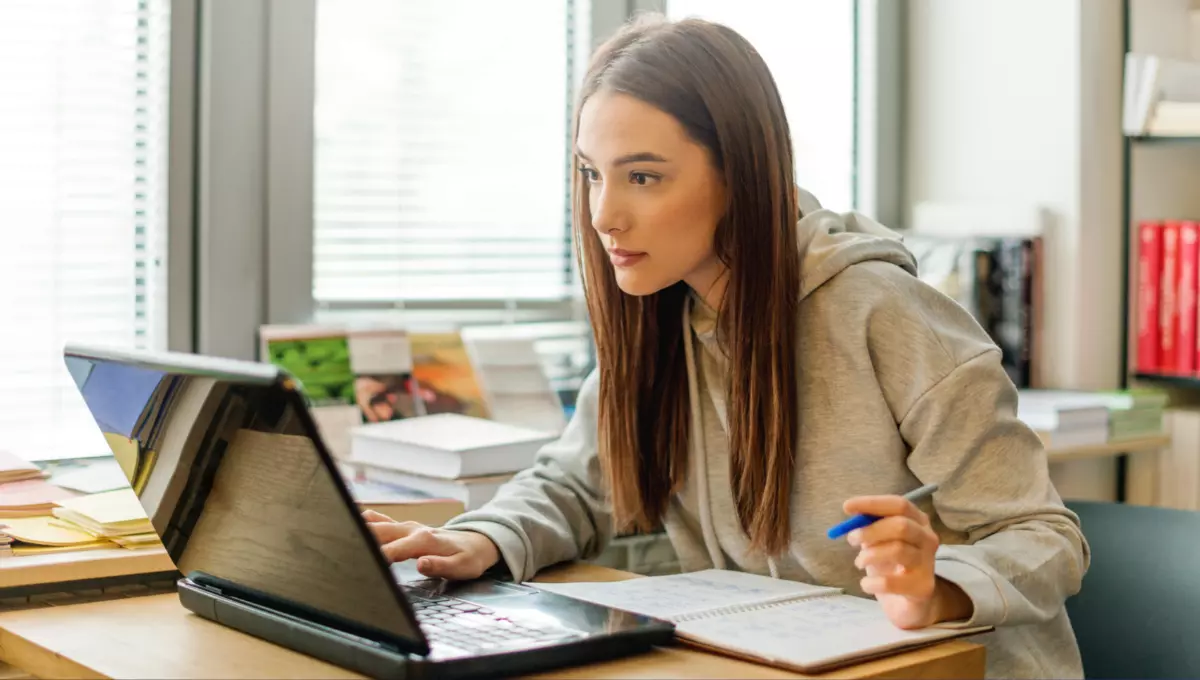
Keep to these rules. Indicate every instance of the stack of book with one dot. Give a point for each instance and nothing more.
(115, 516)
(374, 374)
(446, 455)
(13, 468)
(80, 522)
(1064, 419)
(404, 505)
(1162, 96)
(1078, 418)
(513, 379)
(42, 512)
(1168, 259)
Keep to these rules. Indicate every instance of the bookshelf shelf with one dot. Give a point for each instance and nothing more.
(1191, 382)
(1118, 448)
(1163, 140)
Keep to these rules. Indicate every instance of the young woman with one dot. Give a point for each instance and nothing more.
(761, 376)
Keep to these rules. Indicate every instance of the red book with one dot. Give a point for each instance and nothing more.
(1149, 272)
(1168, 306)
(1185, 297)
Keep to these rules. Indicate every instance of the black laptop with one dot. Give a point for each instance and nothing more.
(228, 463)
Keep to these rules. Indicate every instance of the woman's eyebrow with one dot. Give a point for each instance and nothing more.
(636, 157)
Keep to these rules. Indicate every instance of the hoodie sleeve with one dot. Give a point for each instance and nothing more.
(556, 510)
(1021, 552)
(1024, 553)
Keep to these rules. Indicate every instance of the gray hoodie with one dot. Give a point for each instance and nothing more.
(898, 387)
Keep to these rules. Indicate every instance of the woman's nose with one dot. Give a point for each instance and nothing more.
(605, 216)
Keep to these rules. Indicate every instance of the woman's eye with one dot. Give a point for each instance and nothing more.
(589, 174)
(641, 178)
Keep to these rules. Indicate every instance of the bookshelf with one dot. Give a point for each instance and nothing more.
(1157, 183)
(1154, 173)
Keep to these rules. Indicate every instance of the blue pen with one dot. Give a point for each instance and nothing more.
(860, 521)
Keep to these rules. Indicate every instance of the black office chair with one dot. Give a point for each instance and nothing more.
(1138, 612)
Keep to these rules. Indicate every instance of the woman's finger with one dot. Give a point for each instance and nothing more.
(895, 528)
(890, 557)
(386, 532)
(418, 543)
(885, 506)
(914, 585)
(458, 566)
(372, 516)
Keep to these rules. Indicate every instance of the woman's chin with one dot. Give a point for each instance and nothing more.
(638, 286)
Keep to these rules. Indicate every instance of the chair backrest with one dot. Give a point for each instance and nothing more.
(1138, 612)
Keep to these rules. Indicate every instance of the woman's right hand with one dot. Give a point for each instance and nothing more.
(440, 553)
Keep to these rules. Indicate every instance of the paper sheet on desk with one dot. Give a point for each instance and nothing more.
(105, 475)
(677, 595)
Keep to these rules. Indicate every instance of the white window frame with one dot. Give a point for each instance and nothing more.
(181, 195)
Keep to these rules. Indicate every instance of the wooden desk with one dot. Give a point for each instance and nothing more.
(84, 564)
(154, 636)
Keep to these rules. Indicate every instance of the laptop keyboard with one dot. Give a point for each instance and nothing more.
(450, 622)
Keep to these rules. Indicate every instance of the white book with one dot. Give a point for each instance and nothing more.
(788, 624)
(1061, 410)
(448, 446)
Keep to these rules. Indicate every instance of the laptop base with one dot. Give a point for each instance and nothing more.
(379, 661)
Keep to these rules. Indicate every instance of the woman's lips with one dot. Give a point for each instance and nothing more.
(624, 258)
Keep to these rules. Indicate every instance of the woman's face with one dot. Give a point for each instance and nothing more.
(654, 194)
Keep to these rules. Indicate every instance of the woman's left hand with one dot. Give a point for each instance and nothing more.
(897, 553)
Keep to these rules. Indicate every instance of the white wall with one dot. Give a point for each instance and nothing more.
(1018, 101)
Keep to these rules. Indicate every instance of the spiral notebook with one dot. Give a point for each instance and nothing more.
(791, 625)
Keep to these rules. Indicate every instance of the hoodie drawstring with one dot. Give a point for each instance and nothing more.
(700, 464)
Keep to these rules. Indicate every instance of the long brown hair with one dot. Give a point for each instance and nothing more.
(716, 85)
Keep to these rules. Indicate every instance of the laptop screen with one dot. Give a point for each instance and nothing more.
(234, 483)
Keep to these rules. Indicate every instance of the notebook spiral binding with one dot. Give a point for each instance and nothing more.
(743, 608)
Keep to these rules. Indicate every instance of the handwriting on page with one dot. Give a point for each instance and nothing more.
(677, 595)
(806, 632)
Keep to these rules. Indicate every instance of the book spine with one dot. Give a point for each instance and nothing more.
(1168, 311)
(1149, 272)
(985, 290)
(1013, 330)
(1037, 306)
(1189, 236)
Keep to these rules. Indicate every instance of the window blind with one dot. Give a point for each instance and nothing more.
(83, 98)
(440, 151)
(809, 46)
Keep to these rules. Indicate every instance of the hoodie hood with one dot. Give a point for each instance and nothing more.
(830, 241)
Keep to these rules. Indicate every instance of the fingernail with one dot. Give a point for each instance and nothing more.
(422, 564)
(854, 536)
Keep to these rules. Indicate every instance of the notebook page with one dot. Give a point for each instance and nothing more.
(808, 633)
(677, 595)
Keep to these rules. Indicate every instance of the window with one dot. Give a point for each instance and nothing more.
(809, 46)
(83, 92)
(440, 151)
